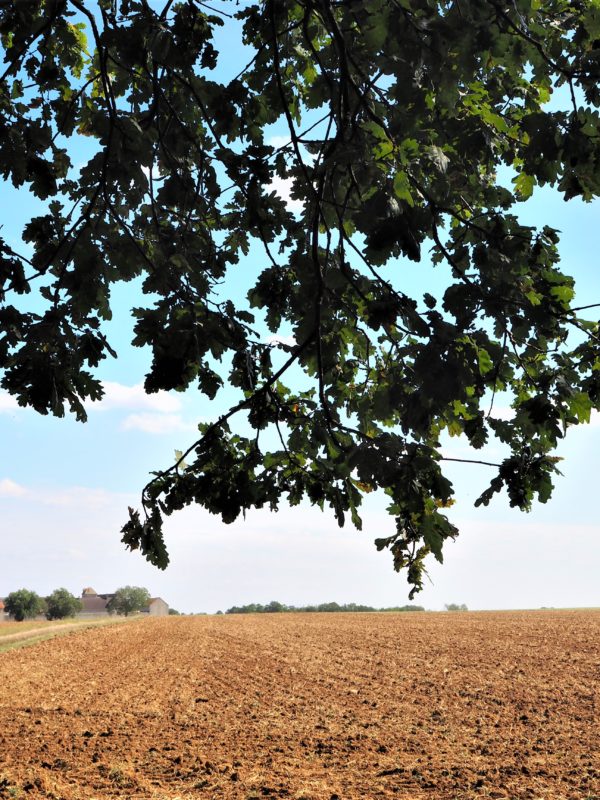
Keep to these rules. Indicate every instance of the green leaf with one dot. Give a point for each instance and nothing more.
(524, 185)
(580, 405)
(433, 537)
(402, 188)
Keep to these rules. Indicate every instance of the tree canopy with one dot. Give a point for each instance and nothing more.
(413, 131)
(128, 600)
(61, 604)
(23, 604)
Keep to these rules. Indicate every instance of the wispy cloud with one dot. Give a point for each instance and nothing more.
(9, 488)
(82, 497)
(159, 413)
(279, 141)
(76, 497)
(157, 423)
(8, 403)
(65, 497)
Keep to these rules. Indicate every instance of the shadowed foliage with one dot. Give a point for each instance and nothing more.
(406, 121)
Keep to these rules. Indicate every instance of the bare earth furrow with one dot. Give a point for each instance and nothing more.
(491, 705)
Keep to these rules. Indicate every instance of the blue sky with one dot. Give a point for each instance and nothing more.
(65, 488)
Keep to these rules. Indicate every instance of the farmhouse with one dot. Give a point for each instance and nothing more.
(94, 604)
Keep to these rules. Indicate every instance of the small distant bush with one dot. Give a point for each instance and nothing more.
(24, 604)
(174, 613)
(62, 604)
(455, 607)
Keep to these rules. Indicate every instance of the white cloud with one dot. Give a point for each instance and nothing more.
(507, 413)
(119, 396)
(283, 188)
(116, 396)
(502, 412)
(279, 141)
(9, 488)
(158, 413)
(8, 403)
(290, 341)
(157, 423)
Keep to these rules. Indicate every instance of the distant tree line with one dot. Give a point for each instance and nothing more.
(274, 607)
(25, 604)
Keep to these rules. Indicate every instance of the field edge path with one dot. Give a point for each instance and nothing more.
(49, 631)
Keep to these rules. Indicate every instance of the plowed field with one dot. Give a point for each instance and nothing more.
(326, 707)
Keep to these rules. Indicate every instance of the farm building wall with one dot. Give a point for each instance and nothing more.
(93, 604)
(157, 607)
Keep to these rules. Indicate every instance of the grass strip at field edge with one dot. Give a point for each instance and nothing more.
(33, 636)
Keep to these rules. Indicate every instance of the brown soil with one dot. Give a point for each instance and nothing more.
(320, 707)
